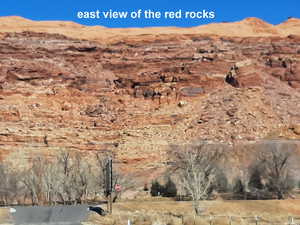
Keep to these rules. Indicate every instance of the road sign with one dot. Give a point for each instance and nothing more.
(118, 187)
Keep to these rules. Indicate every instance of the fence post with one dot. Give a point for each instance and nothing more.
(230, 220)
(256, 220)
(291, 220)
(210, 220)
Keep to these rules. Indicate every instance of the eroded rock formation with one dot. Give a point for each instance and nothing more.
(138, 95)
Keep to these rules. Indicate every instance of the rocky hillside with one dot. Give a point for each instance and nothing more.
(138, 94)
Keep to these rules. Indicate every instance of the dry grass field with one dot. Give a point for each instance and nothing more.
(4, 216)
(216, 212)
(162, 212)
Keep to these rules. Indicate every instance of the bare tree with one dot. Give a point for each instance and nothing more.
(65, 165)
(275, 166)
(83, 179)
(242, 156)
(4, 184)
(101, 160)
(52, 182)
(68, 179)
(10, 188)
(32, 179)
(196, 169)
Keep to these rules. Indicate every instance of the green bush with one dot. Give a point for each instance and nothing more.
(156, 188)
(169, 190)
(238, 187)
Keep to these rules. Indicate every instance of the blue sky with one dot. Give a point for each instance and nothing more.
(229, 10)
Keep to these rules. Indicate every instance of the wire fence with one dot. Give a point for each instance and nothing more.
(237, 220)
(225, 220)
(221, 220)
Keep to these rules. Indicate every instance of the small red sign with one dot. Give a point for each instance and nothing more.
(118, 187)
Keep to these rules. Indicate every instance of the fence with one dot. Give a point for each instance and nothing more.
(222, 220)
(237, 220)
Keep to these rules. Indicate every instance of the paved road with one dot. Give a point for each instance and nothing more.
(56, 215)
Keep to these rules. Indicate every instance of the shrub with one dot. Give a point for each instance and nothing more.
(156, 188)
(221, 181)
(238, 187)
(169, 190)
(255, 179)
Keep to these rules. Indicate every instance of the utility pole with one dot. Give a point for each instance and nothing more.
(109, 184)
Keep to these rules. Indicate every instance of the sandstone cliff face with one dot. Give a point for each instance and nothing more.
(139, 95)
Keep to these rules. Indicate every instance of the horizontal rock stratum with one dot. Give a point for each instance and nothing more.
(64, 86)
